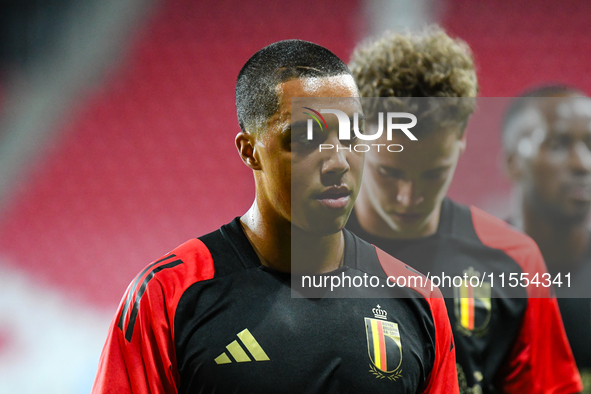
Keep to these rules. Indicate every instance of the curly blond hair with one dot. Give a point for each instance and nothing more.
(425, 64)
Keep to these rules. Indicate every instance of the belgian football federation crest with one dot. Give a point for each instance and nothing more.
(472, 304)
(383, 345)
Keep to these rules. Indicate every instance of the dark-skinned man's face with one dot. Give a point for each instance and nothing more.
(554, 158)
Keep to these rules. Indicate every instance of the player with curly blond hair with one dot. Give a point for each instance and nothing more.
(507, 340)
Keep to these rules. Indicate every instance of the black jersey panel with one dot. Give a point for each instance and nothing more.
(243, 332)
(230, 245)
(319, 345)
(484, 339)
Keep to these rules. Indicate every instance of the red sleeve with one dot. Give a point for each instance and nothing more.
(139, 355)
(443, 378)
(541, 360)
(146, 364)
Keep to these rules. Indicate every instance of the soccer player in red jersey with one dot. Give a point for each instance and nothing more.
(547, 145)
(508, 340)
(217, 315)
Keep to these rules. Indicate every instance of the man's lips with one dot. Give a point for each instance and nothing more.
(580, 191)
(407, 217)
(335, 197)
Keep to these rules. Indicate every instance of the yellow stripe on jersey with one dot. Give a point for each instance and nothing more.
(252, 345)
(237, 352)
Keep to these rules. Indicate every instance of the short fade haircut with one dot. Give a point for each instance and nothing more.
(425, 64)
(526, 100)
(256, 94)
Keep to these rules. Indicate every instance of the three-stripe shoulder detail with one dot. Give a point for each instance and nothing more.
(137, 290)
(195, 263)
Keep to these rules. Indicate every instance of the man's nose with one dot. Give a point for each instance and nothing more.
(408, 195)
(580, 158)
(335, 162)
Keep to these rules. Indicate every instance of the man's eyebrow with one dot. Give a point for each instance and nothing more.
(299, 124)
(442, 167)
(304, 123)
(390, 170)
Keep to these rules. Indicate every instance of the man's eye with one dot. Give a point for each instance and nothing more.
(300, 138)
(435, 175)
(303, 139)
(361, 129)
(352, 140)
(390, 173)
(553, 143)
(301, 142)
(559, 142)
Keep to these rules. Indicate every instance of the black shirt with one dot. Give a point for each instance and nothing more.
(507, 339)
(209, 318)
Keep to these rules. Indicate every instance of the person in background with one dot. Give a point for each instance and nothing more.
(506, 341)
(547, 153)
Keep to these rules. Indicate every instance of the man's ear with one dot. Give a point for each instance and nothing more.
(513, 165)
(463, 141)
(245, 143)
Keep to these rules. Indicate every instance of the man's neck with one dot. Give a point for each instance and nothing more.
(562, 244)
(286, 248)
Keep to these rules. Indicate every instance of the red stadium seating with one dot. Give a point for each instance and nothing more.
(149, 161)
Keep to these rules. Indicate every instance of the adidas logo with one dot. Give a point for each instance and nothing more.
(238, 353)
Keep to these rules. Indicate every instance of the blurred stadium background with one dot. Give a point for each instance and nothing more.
(117, 121)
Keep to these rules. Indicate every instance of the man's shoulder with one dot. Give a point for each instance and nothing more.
(397, 269)
(193, 251)
(188, 263)
(499, 234)
(192, 261)
(407, 275)
(490, 230)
